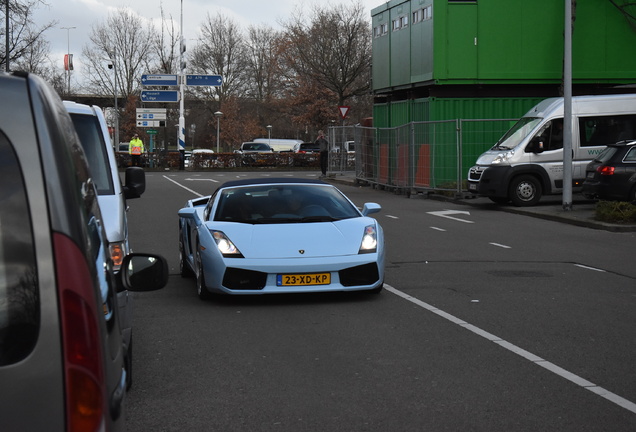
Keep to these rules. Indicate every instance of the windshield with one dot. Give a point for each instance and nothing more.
(283, 203)
(606, 154)
(90, 135)
(517, 133)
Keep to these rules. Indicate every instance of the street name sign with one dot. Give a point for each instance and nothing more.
(204, 80)
(159, 80)
(151, 116)
(150, 123)
(159, 96)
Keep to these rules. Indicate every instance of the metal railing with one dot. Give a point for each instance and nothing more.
(417, 156)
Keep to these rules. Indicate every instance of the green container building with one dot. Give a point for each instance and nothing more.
(492, 58)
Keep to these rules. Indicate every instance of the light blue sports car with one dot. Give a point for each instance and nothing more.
(280, 236)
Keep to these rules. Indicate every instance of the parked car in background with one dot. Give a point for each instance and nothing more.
(279, 145)
(264, 236)
(307, 147)
(90, 125)
(200, 158)
(61, 350)
(612, 174)
(254, 147)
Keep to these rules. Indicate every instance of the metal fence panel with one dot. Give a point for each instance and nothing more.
(434, 155)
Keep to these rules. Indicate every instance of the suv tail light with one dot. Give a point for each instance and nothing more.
(83, 369)
(605, 170)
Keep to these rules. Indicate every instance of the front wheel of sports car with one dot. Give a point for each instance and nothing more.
(202, 291)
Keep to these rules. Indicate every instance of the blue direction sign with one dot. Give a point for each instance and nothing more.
(159, 96)
(204, 80)
(159, 80)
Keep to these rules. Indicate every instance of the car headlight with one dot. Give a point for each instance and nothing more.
(502, 158)
(369, 240)
(225, 245)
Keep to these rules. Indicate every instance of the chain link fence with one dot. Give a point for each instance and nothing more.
(419, 156)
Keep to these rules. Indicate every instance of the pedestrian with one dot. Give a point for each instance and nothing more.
(136, 149)
(323, 145)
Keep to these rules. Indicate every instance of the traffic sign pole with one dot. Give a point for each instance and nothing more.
(181, 131)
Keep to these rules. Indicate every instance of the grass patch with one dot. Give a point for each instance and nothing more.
(615, 212)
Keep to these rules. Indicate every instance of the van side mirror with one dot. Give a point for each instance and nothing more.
(535, 145)
(135, 184)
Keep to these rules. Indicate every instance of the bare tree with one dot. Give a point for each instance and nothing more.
(22, 37)
(263, 82)
(332, 48)
(220, 51)
(124, 43)
(166, 47)
(36, 59)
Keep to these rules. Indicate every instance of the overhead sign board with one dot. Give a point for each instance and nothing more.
(204, 80)
(159, 80)
(159, 96)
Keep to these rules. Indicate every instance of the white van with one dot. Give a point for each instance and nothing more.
(527, 162)
(279, 145)
(92, 130)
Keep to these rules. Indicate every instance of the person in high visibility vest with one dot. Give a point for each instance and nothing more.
(136, 149)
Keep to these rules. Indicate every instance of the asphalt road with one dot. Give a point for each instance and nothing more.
(490, 321)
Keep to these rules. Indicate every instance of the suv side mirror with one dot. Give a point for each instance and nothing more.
(143, 272)
(135, 182)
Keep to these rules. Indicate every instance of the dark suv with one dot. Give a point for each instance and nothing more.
(612, 174)
(61, 351)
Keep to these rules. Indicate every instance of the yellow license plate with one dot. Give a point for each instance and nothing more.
(306, 279)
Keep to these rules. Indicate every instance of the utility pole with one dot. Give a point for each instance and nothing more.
(69, 64)
(567, 109)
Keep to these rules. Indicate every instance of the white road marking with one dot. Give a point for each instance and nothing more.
(392, 217)
(180, 185)
(582, 382)
(447, 214)
(203, 179)
(438, 229)
(500, 245)
(590, 268)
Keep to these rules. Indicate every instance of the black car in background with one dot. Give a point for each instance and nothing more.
(612, 174)
(307, 147)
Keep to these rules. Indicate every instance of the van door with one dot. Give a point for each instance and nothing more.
(546, 149)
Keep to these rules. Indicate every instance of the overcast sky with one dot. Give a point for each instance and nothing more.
(84, 14)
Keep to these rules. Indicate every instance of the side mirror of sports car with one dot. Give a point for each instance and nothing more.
(370, 208)
(190, 213)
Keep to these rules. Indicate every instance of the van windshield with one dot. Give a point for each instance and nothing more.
(517, 133)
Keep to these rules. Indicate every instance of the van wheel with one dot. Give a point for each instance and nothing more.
(525, 191)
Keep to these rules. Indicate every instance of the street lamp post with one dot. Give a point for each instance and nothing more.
(68, 55)
(269, 134)
(113, 59)
(218, 116)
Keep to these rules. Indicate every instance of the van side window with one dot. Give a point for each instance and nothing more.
(551, 138)
(19, 291)
(603, 130)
